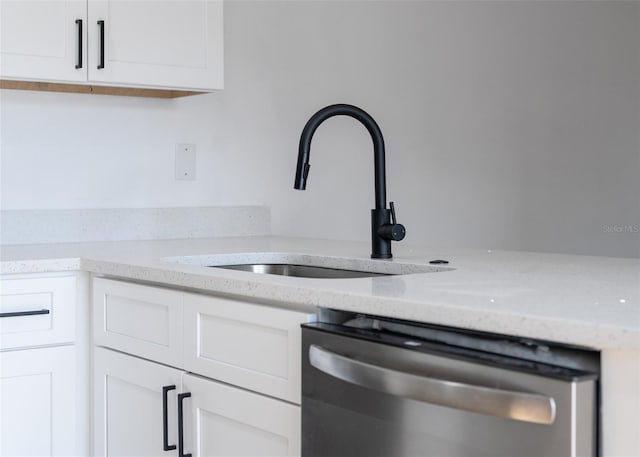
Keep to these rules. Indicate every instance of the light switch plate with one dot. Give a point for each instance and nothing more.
(185, 163)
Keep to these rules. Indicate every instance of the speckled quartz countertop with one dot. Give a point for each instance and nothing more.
(588, 301)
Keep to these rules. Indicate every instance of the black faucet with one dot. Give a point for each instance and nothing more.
(383, 221)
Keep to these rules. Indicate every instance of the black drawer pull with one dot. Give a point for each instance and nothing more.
(79, 23)
(165, 420)
(25, 313)
(181, 398)
(101, 64)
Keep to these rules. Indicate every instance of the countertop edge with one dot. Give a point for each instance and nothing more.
(583, 333)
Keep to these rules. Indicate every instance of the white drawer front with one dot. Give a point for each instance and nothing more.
(140, 320)
(37, 311)
(252, 346)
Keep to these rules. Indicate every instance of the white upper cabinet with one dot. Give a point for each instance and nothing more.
(156, 44)
(165, 43)
(40, 40)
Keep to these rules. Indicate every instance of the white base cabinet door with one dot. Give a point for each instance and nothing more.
(128, 406)
(218, 420)
(37, 402)
(224, 421)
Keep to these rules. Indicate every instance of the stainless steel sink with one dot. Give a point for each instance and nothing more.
(300, 271)
(305, 265)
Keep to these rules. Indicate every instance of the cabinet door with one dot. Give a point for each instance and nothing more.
(40, 39)
(256, 347)
(224, 421)
(163, 43)
(128, 406)
(37, 402)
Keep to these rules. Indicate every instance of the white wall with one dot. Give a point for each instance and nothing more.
(83, 151)
(508, 125)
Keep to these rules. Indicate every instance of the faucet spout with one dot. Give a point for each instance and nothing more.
(382, 231)
(302, 171)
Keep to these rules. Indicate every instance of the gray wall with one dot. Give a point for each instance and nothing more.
(508, 125)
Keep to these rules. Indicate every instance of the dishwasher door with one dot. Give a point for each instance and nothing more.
(366, 398)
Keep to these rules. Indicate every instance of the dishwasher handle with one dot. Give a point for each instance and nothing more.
(508, 404)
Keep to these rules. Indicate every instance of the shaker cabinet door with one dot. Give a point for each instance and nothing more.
(43, 40)
(224, 421)
(37, 402)
(162, 43)
(128, 406)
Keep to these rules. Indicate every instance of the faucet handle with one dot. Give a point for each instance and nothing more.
(393, 231)
(393, 213)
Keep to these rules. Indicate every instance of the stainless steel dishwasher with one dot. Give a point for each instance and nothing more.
(383, 387)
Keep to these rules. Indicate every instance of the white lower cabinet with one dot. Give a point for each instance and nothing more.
(140, 320)
(128, 405)
(37, 310)
(225, 421)
(38, 402)
(249, 345)
(44, 365)
(235, 365)
(218, 419)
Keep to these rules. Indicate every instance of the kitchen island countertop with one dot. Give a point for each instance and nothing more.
(581, 300)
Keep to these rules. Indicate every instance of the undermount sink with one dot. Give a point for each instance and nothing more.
(305, 265)
(300, 271)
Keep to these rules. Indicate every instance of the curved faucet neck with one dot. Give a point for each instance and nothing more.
(314, 122)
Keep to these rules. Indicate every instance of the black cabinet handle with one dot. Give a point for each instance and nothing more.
(165, 419)
(101, 26)
(25, 313)
(79, 23)
(181, 398)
